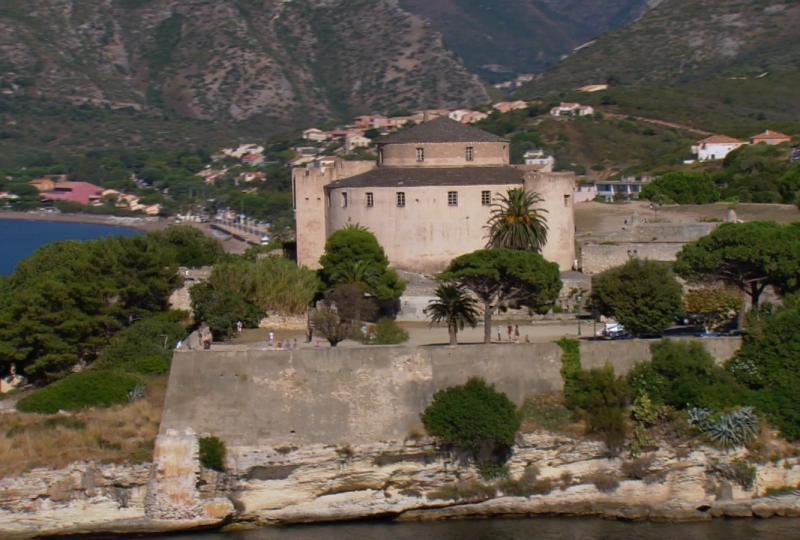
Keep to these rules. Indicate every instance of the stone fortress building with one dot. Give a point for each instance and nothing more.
(428, 198)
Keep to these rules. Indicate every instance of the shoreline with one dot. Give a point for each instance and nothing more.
(144, 224)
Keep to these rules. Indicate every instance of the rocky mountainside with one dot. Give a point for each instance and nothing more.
(679, 41)
(501, 38)
(274, 61)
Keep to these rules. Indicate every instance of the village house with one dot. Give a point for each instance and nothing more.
(716, 147)
(629, 187)
(240, 151)
(504, 107)
(427, 198)
(47, 182)
(252, 159)
(316, 135)
(538, 158)
(572, 109)
(795, 156)
(253, 176)
(352, 142)
(77, 192)
(466, 116)
(771, 138)
(210, 176)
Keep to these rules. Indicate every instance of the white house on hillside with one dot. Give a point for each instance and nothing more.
(572, 109)
(716, 147)
(316, 135)
(540, 159)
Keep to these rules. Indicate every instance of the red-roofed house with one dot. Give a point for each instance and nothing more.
(716, 147)
(770, 137)
(77, 192)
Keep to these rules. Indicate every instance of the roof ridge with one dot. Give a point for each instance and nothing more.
(441, 130)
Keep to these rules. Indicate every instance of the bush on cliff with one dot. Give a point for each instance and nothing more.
(473, 417)
(600, 397)
(768, 364)
(93, 388)
(212, 453)
(683, 374)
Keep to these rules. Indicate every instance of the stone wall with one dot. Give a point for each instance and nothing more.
(446, 154)
(597, 258)
(359, 395)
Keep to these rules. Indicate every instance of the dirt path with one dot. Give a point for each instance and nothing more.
(662, 123)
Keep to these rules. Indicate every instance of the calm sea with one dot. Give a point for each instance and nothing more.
(19, 239)
(523, 529)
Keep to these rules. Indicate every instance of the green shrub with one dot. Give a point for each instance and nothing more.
(642, 295)
(474, 417)
(190, 247)
(492, 471)
(546, 412)
(682, 188)
(683, 374)
(93, 388)
(212, 453)
(738, 470)
(570, 364)
(601, 397)
(146, 346)
(388, 332)
(768, 364)
(221, 308)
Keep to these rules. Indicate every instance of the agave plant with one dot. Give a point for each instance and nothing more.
(727, 430)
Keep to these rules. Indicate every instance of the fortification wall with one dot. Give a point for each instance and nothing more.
(596, 258)
(361, 395)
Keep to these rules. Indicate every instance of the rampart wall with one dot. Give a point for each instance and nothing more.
(360, 395)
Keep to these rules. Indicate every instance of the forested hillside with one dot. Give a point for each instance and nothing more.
(685, 40)
(281, 63)
(501, 38)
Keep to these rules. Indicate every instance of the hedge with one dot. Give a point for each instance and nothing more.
(93, 388)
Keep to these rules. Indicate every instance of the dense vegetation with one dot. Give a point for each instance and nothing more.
(642, 295)
(473, 417)
(93, 388)
(63, 304)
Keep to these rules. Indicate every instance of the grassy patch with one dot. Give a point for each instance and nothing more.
(94, 388)
(545, 412)
(122, 433)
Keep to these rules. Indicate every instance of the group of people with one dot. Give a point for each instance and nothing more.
(511, 331)
(281, 344)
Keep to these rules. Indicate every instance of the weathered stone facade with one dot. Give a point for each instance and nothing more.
(429, 197)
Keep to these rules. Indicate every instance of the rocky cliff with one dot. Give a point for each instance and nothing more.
(274, 61)
(408, 480)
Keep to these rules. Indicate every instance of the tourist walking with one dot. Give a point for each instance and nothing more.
(516, 333)
(510, 331)
(499, 336)
(271, 338)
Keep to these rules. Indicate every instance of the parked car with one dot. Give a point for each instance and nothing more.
(614, 330)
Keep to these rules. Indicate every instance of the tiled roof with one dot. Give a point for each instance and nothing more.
(720, 139)
(441, 130)
(432, 176)
(769, 134)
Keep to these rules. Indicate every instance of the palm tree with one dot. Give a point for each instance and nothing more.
(454, 307)
(516, 223)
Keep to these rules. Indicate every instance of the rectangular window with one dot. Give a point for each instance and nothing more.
(486, 198)
(401, 199)
(470, 153)
(370, 200)
(344, 200)
(452, 198)
(566, 201)
(420, 155)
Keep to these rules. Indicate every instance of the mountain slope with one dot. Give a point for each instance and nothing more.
(281, 62)
(684, 40)
(501, 38)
